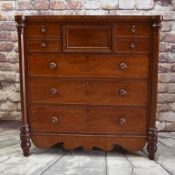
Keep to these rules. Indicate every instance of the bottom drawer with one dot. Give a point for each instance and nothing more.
(81, 119)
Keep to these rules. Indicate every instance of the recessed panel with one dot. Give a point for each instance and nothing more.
(87, 38)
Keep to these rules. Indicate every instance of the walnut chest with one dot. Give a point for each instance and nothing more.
(89, 81)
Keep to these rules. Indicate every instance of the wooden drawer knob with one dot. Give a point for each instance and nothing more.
(133, 29)
(54, 119)
(86, 83)
(43, 44)
(132, 45)
(53, 91)
(122, 92)
(52, 65)
(123, 66)
(122, 121)
(43, 29)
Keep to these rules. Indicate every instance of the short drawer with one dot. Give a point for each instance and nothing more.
(133, 29)
(42, 29)
(45, 45)
(91, 65)
(88, 91)
(132, 45)
(85, 119)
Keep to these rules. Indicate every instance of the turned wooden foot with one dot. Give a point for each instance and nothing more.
(152, 143)
(25, 140)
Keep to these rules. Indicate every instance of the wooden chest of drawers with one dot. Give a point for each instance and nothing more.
(89, 81)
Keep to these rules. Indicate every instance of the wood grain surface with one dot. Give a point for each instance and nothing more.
(89, 81)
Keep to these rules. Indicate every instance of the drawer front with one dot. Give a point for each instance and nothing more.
(91, 65)
(132, 45)
(42, 29)
(88, 119)
(88, 91)
(87, 38)
(133, 29)
(46, 45)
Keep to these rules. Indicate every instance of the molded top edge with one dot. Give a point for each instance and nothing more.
(88, 17)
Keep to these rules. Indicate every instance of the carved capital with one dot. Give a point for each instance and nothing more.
(157, 25)
(20, 23)
(152, 142)
(20, 28)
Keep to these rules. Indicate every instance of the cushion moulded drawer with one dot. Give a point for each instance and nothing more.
(88, 119)
(88, 91)
(91, 65)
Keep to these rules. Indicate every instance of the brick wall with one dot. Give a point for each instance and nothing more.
(9, 68)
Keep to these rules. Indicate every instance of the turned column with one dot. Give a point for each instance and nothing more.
(25, 130)
(152, 130)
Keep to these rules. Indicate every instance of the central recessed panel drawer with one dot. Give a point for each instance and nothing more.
(82, 119)
(87, 91)
(87, 38)
(91, 65)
